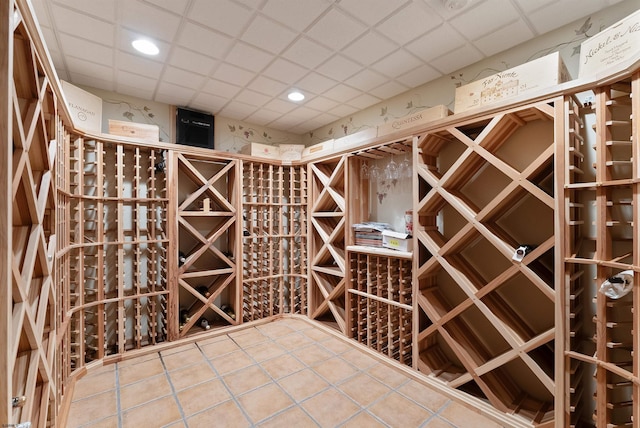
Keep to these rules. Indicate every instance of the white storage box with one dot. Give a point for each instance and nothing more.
(409, 121)
(291, 152)
(84, 107)
(396, 240)
(141, 131)
(534, 75)
(318, 150)
(354, 140)
(613, 46)
(261, 150)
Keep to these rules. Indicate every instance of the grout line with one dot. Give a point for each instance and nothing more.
(274, 381)
(118, 403)
(173, 390)
(233, 396)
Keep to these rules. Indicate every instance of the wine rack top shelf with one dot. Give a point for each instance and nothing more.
(380, 251)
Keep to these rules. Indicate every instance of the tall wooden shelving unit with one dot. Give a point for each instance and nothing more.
(601, 177)
(274, 209)
(205, 196)
(29, 384)
(327, 283)
(114, 265)
(484, 322)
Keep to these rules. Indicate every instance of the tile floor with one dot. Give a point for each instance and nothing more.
(287, 373)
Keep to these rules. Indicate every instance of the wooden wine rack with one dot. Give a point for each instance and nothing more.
(274, 212)
(94, 227)
(485, 323)
(601, 203)
(380, 303)
(205, 192)
(327, 284)
(30, 385)
(115, 262)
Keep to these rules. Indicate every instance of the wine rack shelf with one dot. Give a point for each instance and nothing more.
(274, 209)
(485, 325)
(380, 303)
(601, 243)
(206, 195)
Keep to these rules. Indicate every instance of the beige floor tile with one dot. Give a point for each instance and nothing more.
(387, 375)
(191, 375)
(264, 402)
(109, 422)
(359, 359)
(144, 391)
(335, 370)
(210, 340)
(159, 413)
(424, 395)
(330, 408)
(246, 379)
(312, 354)
(296, 324)
(462, 416)
(303, 384)
(225, 415)
(316, 334)
(191, 355)
(282, 366)
(248, 337)
(109, 368)
(293, 417)
(88, 386)
(336, 346)
(228, 363)
(398, 411)
(265, 351)
(275, 329)
(220, 347)
(293, 341)
(94, 408)
(143, 358)
(363, 389)
(361, 420)
(202, 396)
(436, 422)
(135, 372)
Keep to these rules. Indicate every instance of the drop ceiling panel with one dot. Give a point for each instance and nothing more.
(268, 35)
(84, 26)
(204, 41)
(504, 38)
(222, 15)
(370, 48)
(235, 57)
(335, 29)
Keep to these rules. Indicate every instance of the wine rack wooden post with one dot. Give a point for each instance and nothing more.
(484, 322)
(601, 242)
(205, 200)
(327, 286)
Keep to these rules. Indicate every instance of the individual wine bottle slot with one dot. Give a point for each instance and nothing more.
(203, 290)
(204, 323)
(182, 258)
(227, 309)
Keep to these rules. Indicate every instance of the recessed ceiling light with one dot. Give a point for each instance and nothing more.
(145, 46)
(295, 96)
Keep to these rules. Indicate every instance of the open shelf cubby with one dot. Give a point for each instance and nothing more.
(485, 188)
